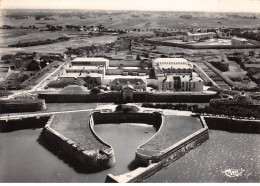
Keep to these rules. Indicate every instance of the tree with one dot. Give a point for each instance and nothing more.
(90, 82)
(95, 90)
(143, 64)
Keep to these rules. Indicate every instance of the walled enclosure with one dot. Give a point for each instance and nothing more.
(174, 97)
(189, 46)
(20, 106)
(102, 156)
(85, 159)
(155, 162)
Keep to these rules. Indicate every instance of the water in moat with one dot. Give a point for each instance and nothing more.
(225, 157)
(23, 159)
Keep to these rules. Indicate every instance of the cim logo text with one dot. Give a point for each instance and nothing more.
(233, 172)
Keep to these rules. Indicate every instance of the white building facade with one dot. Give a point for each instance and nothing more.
(176, 74)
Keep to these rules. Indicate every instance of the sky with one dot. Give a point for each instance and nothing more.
(145, 5)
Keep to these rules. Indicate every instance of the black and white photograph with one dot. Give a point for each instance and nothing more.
(130, 91)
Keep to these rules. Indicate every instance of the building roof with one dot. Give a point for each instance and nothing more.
(83, 74)
(175, 66)
(182, 78)
(124, 81)
(86, 67)
(170, 60)
(201, 34)
(89, 59)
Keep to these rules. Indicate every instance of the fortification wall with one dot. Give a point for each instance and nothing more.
(147, 118)
(90, 161)
(13, 124)
(203, 75)
(232, 124)
(12, 106)
(188, 46)
(81, 98)
(226, 79)
(162, 159)
(188, 97)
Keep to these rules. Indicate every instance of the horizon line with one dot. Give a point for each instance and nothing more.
(128, 10)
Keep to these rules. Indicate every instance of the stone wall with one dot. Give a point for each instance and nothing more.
(147, 118)
(136, 175)
(20, 123)
(81, 98)
(189, 46)
(174, 97)
(233, 125)
(13, 106)
(218, 72)
(88, 161)
(163, 159)
(176, 150)
(206, 79)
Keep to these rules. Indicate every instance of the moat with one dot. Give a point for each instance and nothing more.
(25, 160)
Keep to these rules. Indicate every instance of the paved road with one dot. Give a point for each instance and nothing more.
(36, 86)
(41, 114)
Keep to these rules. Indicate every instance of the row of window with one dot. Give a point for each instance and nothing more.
(166, 85)
(172, 63)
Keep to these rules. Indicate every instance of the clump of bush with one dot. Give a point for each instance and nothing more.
(231, 111)
(40, 42)
(63, 82)
(171, 106)
(95, 90)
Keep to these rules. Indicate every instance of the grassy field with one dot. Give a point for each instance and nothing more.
(175, 128)
(65, 82)
(124, 19)
(74, 42)
(75, 126)
(120, 20)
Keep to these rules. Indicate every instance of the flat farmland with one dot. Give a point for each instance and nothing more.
(125, 19)
(74, 42)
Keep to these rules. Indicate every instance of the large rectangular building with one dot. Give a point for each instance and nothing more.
(171, 66)
(181, 83)
(81, 67)
(95, 61)
(198, 36)
(176, 74)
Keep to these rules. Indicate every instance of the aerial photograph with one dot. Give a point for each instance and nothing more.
(130, 91)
